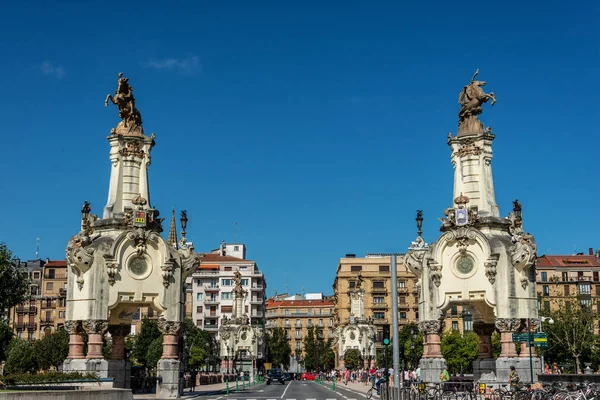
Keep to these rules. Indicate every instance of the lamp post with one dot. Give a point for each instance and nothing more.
(413, 341)
(228, 359)
(542, 320)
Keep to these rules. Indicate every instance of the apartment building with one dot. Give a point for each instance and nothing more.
(44, 313)
(563, 276)
(374, 270)
(212, 285)
(296, 314)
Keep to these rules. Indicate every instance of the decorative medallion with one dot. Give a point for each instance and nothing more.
(465, 265)
(352, 335)
(138, 267)
(244, 335)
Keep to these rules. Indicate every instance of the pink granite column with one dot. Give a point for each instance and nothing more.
(484, 331)
(118, 334)
(95, 329)
(507, 326)
(170, 331)
(75, 339)
(431, 336)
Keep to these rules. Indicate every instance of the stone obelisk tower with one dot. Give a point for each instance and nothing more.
(120, 262)
(482, 262)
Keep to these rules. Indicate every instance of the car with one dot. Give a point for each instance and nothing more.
(309, 376)
(287, 376)
(275, 375)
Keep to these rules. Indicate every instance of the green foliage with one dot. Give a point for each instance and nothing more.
(202, 348)
(47, 377)
(154, 352)
(6, 336)
(21, 358)
(571, 337)
(460, 350)
(278, 348)
(353, 359)
(148, 334)
(14, 282)
(52, 349)
(317, 352)
(381, 356)
(496, 345)
(405, 339)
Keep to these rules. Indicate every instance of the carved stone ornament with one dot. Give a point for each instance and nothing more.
(111, 270)
(461, 236)
(431, 327)
(73, 327)
(490, 267)
(508, 325)
(80, 256)
(190, 261)
(468, 149)
(169, 327)
(140, 237)
(413, 260)
(119, 330)
(167, 272)
(133, 148)
(435, 272)
(95, 325)
(523, 252)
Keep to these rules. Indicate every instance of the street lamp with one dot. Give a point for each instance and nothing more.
(228, 358)
(542, 320)
(413, 340)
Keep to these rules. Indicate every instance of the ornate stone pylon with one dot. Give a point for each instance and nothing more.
(120, 262)
(481, 262)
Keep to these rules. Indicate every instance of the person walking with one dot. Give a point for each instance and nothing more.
(513, 378)
(193, 377)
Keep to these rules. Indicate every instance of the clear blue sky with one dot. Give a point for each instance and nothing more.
(320, 127)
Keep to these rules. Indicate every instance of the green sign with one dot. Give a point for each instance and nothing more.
(539, 339)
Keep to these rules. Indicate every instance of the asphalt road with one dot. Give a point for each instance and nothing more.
(294, 390)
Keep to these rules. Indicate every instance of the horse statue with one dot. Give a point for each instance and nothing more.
(125, 102)
(472, 98)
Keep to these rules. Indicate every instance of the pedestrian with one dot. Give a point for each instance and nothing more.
(372, 375)
(445, 376)
(418, 374)
(193, 377)
(513, 378)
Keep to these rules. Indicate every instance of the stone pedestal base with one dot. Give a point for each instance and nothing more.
(168, 376)
(522, 366)
(96, 366)
(484, 370)
(120, 371)
(431, 368)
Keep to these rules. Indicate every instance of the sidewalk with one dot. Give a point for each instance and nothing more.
(203, 390)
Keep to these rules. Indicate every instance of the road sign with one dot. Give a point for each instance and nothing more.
(482, 388)
(521, 337)
(540, 335)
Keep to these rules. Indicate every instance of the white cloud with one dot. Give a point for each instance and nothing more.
(50, 69)
(189, 64)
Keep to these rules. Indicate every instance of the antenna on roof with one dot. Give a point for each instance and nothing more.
(235, 232)
(286, 283)
(37, 248)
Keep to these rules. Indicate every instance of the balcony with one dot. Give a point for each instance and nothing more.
(404, 306)
(380, 321)
(211, 288)
(210, 315)
(30, 309)
(211, 328)
(380, 305)
(26, 325)
(47, 321)
(257, 287)
(402, 290)
(47, 305)
(257, 314)
(55, 276)
(206, 272)
(256, 300)
(379, 290)
(211, 301)
(62, 292)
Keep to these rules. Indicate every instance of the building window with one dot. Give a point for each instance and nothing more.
(236, 248)
(244, 282)
(565, 276)
(36, 275)
(378, 300)
(546, 306)
(198, 309)
(585, 289)
(198, 322)
(595, 276)
(454, 310)
(49, 285)
(401, 284)
(566, 290)
(403, 315)
(546, 290)
(379, 315)
(298, 333)
(51, 274)
(330, 321)
(287, 322)
(598, 291)
(320, 323)
(378, 284)
(467, 321)
(580, 275)
(454, 325)
(199, 296)
(225, 296)
(227, 269)
(544, 277)
(226, 282)
(356, 268)
(61, 314)
(309, 324)
(351, 284)
(586, 303)
(298, 323)
(384, 268)
(286, 312)
(402, 300)
(226, 309)
(298, 345)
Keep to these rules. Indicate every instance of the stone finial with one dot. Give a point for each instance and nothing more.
(172, 238)
(461, 200)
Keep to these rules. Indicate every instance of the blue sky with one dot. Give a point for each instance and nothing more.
(319, 127)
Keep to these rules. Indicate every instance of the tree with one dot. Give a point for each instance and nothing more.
(352, 359)
(405, 338)
(154, 352)
(278, 348)
(573, 330)
(148, 334)
(6, 336)
(21, 358)
(53, 349)
(460, 350)
(316, 350)
(496, 345)
(14, 282)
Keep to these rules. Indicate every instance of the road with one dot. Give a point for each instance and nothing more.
(294, 390)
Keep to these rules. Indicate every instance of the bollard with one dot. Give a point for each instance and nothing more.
(236, 384)
(243, 384)
(333, 385)
(227, 386)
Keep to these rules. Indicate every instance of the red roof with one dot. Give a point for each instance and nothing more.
(210, 257)
(298, 303)
(580, 261)
(56, 263)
